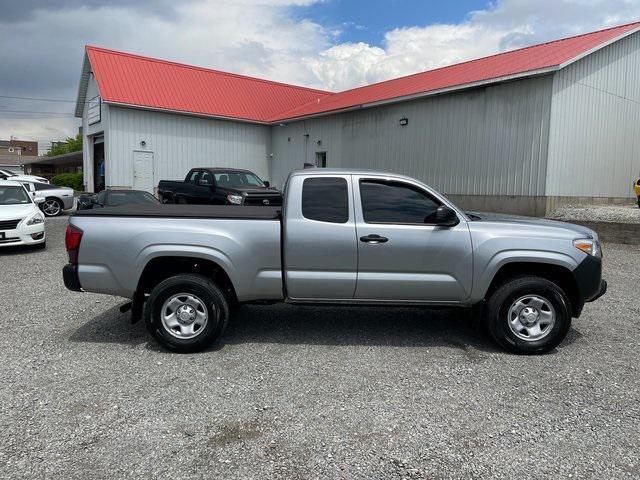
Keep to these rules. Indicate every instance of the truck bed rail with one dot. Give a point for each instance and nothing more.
(185, 211)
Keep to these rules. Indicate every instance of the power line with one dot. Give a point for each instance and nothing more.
(69, 114)
(38, 99)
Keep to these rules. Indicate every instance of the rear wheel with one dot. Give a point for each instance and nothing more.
(186, 313)
(528, 315)
(52, 207)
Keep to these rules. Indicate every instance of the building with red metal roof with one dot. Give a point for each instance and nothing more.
(516, 131)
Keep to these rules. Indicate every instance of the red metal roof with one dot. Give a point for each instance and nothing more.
(135, 80)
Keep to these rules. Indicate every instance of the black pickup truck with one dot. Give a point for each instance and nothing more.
(219, 186)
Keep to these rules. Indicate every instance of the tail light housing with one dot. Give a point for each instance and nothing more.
(72, 239)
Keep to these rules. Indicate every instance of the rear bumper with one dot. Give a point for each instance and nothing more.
(70, 277)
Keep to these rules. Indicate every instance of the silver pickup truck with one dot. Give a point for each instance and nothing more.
(341, 237)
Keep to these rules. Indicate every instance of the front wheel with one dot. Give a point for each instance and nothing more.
(528, 315)
(186, 313)
(52, 207)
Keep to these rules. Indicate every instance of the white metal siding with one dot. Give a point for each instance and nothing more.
(486, 141)
(594, 144)
(181, 142)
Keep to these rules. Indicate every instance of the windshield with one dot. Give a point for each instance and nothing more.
(123, 198)
(7, 173)
(237, 179)
(13, 195)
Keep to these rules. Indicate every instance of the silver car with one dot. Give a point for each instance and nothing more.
(56, 199)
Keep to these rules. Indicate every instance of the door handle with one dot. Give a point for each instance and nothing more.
(374, 239)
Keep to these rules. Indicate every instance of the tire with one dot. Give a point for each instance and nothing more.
(192, 296)
(638, 202)
(521, 303)
(52, 207)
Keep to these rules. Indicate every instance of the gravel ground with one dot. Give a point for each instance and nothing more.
(598, 213)
(310, 392)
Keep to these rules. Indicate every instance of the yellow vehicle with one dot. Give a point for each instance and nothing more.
(636, 186)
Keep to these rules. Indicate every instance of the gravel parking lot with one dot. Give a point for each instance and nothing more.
(310, 392)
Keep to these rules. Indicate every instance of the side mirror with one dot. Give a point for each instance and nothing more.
(266, 184)
(39, 200)
(446, 217)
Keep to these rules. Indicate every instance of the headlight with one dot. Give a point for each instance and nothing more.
(588, 246)
(235, 199)
(35, 220)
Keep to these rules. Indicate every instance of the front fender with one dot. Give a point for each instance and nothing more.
(486, 272)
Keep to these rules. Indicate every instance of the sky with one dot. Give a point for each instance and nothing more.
(328, 44)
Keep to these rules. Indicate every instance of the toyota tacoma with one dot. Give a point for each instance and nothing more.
(342, 237)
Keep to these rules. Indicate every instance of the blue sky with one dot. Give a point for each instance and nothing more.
(368, 20)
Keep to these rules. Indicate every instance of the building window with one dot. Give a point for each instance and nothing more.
(396, 202)
(321, 159)
(94, 111)
(325, 199)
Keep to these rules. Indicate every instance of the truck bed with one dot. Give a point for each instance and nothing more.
(185, 211)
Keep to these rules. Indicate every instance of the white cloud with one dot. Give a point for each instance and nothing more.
(43, 50)
(505, 25)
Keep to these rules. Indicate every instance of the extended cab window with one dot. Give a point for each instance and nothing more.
(325, 199)
(396, 202)
(192, 176)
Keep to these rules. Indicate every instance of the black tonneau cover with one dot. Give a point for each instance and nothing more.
(185, 211)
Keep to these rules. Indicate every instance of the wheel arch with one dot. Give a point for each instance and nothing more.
(160, 268)
(559, 274)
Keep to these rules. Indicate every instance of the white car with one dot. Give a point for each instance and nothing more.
(21, 221)
(9, 175)
(56, 199)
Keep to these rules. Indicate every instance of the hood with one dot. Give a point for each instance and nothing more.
(12, 212)
(529, 221)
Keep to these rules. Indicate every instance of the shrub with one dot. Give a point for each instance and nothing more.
(73, 180)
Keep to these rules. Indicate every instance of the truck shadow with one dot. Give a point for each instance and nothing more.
(319, 325)
(330, 325)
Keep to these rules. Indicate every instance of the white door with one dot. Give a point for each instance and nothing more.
(143, 171)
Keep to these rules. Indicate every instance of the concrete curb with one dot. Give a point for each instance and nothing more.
(613, 232)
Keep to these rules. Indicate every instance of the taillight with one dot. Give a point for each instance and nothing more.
(72, 239)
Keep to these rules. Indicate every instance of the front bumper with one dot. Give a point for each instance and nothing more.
(23, 235)
(601, 292)
(70, 277)
(589, 282)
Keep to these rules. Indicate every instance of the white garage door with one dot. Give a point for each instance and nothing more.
(143, 171)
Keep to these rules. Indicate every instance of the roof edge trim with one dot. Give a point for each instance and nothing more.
(81, 98)
(599, 47)
(429, 93)
(184, 112)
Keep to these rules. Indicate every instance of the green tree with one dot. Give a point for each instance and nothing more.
(71, 144)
